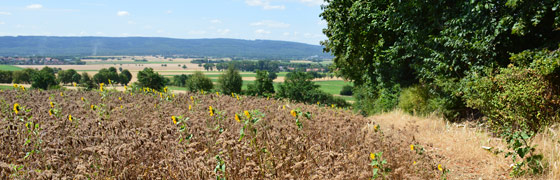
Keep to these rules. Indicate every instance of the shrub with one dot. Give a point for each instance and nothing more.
(415, 100)
(230, 81)
(346, 90)
(199, 81)
(523, 97)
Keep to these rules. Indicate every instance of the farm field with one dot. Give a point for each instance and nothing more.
(129, 135)
(9, 68)
(330, 85)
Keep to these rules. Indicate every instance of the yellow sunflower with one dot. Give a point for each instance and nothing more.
(70, 118)
(247, 114)
(293, 113)
(16, 108)
(237, 118)
(174, 119)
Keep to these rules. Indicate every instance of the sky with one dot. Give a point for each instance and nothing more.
(287, 20)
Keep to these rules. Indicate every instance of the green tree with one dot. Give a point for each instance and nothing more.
(296, 86)
(6, 76)
(67, 76)
(180, 80)
(86, 81)
(23, 76)
(127, 74)
(43, 79)
(209, 66)
(263, 84)
(123, 79)
(198, 81)
(230, 81)
(384, 46)
(149, 78)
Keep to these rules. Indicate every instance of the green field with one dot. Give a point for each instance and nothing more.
(133, 62)
(6, 87)
(9, 68)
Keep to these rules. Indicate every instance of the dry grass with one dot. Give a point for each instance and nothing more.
(457, 146)
(548, 143)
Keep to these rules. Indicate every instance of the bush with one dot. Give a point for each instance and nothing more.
(149, 78)
(523, 97)
(199, 81)
(415, 100)
(230, 81)
(346, 90)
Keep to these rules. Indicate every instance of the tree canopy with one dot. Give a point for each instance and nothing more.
(388, 45)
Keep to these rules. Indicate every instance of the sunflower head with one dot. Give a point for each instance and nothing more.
(52, 104)
(237, 118)
(293, 113)
(70, 118)
(174, 119)
(439, 167)
(371, 156)
(51, 112)
(83, 99)
(16, 108)
(247, 114)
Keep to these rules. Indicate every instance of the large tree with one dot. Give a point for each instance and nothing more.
(151, 79)
(387, 45)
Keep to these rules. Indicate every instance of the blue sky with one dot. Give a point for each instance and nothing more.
(289, 20)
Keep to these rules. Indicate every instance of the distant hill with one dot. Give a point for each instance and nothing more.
(104, 46)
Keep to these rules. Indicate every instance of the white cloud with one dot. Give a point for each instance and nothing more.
(168, 12)
(215, 21)
(34, 6)
(271, 24)
(286, 33)
(159, 31)
(131, 22)
(197, 32)
(123, 13)
(5, 13)
(265, 4)
(100, 33)
(312, 2)
(1, 22)
(83, 33)
(223, 31)
(262, 31)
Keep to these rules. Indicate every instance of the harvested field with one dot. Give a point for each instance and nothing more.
(127, 135)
